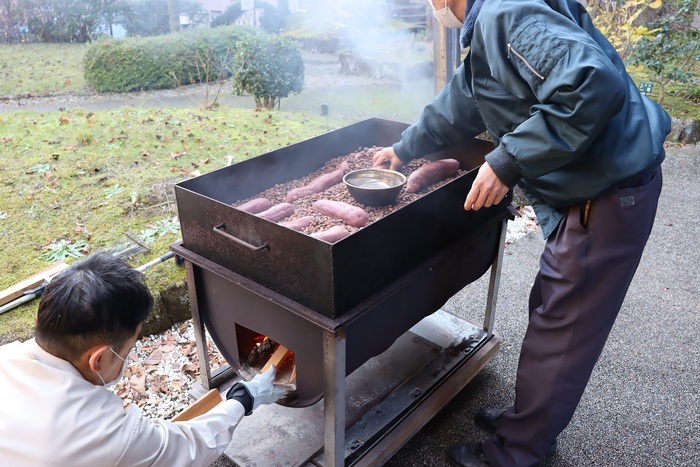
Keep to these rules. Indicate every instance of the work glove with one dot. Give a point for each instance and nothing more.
(261, 390)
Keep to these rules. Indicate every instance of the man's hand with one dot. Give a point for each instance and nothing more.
(261, 390)
(486, 190)
(387, 159)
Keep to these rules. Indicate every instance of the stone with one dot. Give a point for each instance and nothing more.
(171, 306)
(685, 131)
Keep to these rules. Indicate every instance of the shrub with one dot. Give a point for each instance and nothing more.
(672, 55)
(617, 21)
(268, 67)
(162, 62)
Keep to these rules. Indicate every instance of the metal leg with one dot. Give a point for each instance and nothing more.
(494, 281)
(334, 398)
(199, 333)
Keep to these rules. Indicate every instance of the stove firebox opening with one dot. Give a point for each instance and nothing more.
(257, 352)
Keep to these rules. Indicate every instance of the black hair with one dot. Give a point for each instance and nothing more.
(98, 300)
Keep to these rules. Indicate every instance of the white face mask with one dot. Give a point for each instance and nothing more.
(446, 17)
(110, 384)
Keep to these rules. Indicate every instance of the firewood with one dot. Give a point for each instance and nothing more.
(277, 358)
(17, 290)
(199, 407)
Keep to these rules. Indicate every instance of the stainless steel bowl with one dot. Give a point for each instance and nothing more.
(374, 187)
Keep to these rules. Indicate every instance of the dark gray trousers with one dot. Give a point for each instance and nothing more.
(583, 279)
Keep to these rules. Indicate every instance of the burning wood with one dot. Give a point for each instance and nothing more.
(266, 353)
(261, 351)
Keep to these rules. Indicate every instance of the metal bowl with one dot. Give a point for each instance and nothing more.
(374, 187)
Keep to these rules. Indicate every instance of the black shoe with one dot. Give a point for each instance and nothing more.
(488, 417)
(467, 455)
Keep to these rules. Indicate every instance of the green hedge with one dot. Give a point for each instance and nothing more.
(162, 62)
(269, 67)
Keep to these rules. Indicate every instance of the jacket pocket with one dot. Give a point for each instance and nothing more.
(536, 48)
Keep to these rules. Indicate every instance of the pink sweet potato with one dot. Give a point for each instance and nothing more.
(318, 184)
(351, 215)
(431, 172)
(255, 206)
(277, 212)
(331, 235)
(298, 224)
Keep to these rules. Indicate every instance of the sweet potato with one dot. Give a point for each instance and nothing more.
(255, 206)
(298, 224)
(331, 235)
(431, 172)
(318, 184)
(351, 215)
(277, 212)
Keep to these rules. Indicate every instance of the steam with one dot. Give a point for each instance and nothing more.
(385, 47)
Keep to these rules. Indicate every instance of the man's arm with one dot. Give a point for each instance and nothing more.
(197, 442)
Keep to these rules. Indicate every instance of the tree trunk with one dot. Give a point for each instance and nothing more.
(172, 16)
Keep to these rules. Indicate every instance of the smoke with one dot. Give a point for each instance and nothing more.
(377, 38)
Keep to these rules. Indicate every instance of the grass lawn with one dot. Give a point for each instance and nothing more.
(76, 182)
(42, 69)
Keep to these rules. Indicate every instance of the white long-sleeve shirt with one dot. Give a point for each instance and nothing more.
(51, 416)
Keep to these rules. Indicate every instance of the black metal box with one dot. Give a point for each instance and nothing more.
(328, 278)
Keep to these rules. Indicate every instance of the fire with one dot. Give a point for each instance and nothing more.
(267, 352)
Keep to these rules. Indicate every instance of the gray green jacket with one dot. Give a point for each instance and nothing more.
(567, 120)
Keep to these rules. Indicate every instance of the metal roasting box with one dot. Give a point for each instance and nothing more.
(327, 278)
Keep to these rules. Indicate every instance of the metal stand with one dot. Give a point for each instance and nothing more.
(373, 411)
(377, 408)
(334, 372)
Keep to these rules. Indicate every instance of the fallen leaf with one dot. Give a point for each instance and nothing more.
(154, 358)
(191, 369)
(138, 384)
(159, 384)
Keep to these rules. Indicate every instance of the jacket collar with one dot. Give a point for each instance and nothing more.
(473, 8)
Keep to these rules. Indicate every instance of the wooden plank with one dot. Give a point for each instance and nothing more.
(15, 291)
(277, 357)
(199, 407)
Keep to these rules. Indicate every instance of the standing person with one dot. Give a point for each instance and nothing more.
(56, 410)
(571, 128)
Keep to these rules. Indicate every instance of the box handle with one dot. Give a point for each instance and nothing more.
(220, 230)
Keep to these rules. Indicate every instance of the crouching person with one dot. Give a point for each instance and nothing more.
(56, 408)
